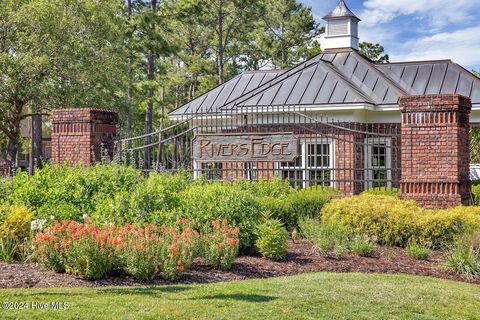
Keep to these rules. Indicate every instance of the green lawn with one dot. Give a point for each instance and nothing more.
(308, 296)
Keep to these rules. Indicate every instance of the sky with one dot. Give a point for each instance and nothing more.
(416, 29)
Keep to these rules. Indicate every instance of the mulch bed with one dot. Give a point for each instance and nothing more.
(300, 258)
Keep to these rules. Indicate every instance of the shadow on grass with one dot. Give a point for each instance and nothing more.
(239, 297)
(144, 290)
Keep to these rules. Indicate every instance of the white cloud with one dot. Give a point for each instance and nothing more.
(461, 46)
(438, 13)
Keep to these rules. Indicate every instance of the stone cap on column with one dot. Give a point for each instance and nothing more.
(435, 103)
(84, 115)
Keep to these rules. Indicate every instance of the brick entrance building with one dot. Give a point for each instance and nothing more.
(358, 124)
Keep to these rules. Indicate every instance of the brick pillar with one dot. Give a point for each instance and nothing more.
(80, 135)
(435, 150)
(348, 157)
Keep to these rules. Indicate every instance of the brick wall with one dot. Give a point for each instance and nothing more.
(435, 150)
(82, 135)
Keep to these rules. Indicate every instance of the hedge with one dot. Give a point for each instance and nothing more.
(392, 221)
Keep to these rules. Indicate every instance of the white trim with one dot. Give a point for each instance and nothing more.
(368, 152)
(304, 168)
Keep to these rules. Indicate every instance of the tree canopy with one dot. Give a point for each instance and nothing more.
(140, 57)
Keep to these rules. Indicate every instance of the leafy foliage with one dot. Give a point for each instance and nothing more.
(363, 247)
(464, 257)
(272, 239)
(302, 203)
(417, 251)
(205, 203)
(382, 191)
(374, 52)
(329, 240)
(396, 222)
(220, 244)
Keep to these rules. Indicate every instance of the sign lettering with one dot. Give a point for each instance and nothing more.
(279, 147)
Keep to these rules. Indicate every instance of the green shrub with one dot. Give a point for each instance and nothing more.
(69, 192)
(397, 222)
(363, 247)
(14, 233)
(329, 239)
(383, 191)
(216, 201)
(464, 258)
(149, 201)
(16, 224)
(265, 188)
(272, 239)
(301, 203)
(417, 251)
(476, 194)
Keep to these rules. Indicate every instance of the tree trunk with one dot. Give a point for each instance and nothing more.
(149, 113)
(220, 43)
(13, 135)
(37, 143)
(130, 80)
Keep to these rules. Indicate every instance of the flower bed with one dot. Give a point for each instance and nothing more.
(142, 252)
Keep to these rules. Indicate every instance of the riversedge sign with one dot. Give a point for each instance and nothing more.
(276, 147)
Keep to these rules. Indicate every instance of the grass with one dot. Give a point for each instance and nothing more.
(307, 296)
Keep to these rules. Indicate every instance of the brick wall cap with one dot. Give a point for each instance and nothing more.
(435, 103)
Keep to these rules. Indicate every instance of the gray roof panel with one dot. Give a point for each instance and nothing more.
(436, 79)
(433, 77)
(311, 92)
(335, 78)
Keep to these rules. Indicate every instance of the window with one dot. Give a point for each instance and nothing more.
(378, 163)
(252, 170)
(312, 167)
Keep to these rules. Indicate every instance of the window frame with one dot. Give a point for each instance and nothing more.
(368, 166)
(305, 169)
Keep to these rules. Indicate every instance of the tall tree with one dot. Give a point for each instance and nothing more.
(374, 52)
(230, 19)
(57, 53)
(289, 31)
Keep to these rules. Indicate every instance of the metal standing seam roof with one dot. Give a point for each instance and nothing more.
(211, 101)
(433, 77)
(342, 77)
(332, 78)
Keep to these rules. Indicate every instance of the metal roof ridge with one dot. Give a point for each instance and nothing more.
(382, 74)
(347, 81)
(286, 74)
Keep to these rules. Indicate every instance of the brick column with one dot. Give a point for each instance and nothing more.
(435, 150)
(80, 135)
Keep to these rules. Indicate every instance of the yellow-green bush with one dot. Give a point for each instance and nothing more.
(16, 223)
(396, 222)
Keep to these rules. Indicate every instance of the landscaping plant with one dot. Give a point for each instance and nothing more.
(417, 251)
(202, 204)
(15, 224)
(220, 245)
(363, 247)
(330, 240)
(397, 222)
(141, 251)
(272, 239)
(464, 256)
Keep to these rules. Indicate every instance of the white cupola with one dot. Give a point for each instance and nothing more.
(342, 28)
